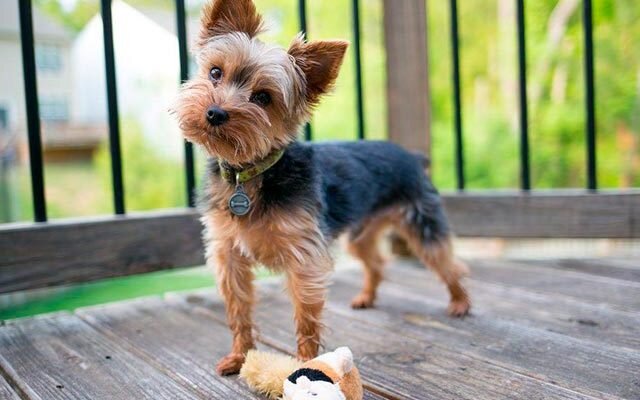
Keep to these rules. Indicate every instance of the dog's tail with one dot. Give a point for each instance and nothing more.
(266, 372)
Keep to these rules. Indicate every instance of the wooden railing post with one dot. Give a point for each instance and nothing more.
(405, 34)
(405, 25)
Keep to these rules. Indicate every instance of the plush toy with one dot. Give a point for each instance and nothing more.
(332, 376)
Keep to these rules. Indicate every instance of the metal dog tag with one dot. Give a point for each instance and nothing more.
(239, 203)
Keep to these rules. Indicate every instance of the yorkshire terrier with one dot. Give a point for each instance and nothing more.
(269, 199)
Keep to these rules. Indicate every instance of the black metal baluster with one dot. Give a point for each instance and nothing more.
(33, 111)
(356, 43)
(181, 25)
(592, 181)
(302, 15)
(525, 175)
(112, 102)
(455, 51)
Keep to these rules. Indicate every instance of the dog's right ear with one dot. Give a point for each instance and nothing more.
(220, 17)
(320, 62)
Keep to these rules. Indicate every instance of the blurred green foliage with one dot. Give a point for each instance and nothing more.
(556, 92)
(151, 180)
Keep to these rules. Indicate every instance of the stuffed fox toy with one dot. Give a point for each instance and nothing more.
(331, 376)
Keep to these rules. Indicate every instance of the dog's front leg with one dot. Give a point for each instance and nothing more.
(308, 288)
(235, 282)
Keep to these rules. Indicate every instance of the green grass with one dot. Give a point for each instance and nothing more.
(69, 298)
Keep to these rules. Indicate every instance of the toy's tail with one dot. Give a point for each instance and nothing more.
(266, 372)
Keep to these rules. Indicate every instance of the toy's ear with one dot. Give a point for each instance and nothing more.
(345, 358)
(220, 17)
(320, 63)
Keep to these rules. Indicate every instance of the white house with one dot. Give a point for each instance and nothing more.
(147, 70)
(71, 79)
(53, 61)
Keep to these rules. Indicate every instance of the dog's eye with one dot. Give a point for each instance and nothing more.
(262, 99)
(215, 74)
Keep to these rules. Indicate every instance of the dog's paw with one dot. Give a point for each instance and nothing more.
(230, 365)
(459, 308)
(362, 301)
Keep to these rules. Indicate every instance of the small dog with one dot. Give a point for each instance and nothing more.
(271, 200)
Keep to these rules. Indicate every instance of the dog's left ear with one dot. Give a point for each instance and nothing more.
(220, 17)
(320, 62)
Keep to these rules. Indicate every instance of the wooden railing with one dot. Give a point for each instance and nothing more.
(41, 254)
(56, 253)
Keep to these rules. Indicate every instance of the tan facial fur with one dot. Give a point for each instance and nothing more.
(295, 79)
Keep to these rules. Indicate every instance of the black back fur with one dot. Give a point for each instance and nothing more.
(345, 182)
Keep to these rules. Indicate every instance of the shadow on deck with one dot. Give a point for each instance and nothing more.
(550, 329)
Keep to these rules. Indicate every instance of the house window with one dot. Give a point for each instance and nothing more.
(54, 110)
(4, 119)
(48, 58)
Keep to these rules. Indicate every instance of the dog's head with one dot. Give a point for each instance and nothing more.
(250, 98)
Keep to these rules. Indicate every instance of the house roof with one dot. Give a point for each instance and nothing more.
(44, 26)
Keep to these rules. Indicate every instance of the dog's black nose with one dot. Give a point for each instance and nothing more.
(217, 116)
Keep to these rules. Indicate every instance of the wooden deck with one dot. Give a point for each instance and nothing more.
(550, 329)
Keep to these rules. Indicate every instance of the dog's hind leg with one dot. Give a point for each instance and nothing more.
(363, 244)
(424, 227)
(439, 257)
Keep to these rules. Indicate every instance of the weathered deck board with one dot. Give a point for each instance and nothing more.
(558, 314)
(412, 368)
(611, 268)
(399, 365)
(6, 392)
(528, 338)
(185, 344)
(591, 368)
(191, 305)
(155, 329)
(61, 357)
(614, 293)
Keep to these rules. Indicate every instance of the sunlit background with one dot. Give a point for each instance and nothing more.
(72, 95)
